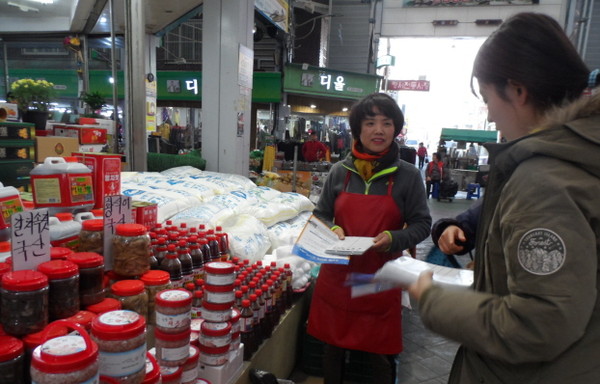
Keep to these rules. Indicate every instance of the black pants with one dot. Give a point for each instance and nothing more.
(421, 161)
(429, 184)
(334, 358)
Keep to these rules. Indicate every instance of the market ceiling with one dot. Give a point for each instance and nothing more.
(18, 17)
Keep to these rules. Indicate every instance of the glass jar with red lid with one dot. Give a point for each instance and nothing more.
(12, 360)
(91, 237)
(91, 277)
(60, 253)
(63, 282)
(173, 310)
(131, 250)
(155, 281)
(24, 301)
(132, 295)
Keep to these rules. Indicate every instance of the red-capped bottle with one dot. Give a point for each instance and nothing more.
(247, 330)
(268, 309)
(187, 266)
(197, 257)
(258, 332)
(172, 265)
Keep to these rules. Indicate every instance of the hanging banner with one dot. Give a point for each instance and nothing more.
(277, 11)
(408, 85)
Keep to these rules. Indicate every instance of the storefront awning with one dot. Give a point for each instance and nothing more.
(471, 135)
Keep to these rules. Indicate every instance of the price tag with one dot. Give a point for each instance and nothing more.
(30, 239)
(117, 210)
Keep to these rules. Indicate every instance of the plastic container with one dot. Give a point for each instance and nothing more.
(91, 277)
(215, 334)
(121, 339)
(70, 359)
(131, 250)
(10, 202)
(213, 356)
(216, 312)
(106, 305)
(154, 282)
(5, 251)
(152, 370)
(219, 273)
(190, 368)
(91, 236)
(172, 349)
(60, 253)
(83, 318)
(24, 302)
(173, 310)
(63, 281)
(171, 375)
(132, 295)
(12, 360)
(64, 230)
(62, 186)
(218, 294)
(84, 216)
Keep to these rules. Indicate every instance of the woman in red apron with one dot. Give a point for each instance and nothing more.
(371, 193)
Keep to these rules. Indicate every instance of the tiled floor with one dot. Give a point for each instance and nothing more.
(427, 357)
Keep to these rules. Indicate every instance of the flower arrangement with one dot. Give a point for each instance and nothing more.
(32, 94)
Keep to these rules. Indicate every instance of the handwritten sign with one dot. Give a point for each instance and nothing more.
(117, 210)
(30, 239)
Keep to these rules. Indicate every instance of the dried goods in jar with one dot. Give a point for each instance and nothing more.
(131, 250)
(91, 237)
(24, 301)
(63, 282)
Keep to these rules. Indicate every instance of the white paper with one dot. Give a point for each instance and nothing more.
(351, 245)
(313, 242)
(405, 270)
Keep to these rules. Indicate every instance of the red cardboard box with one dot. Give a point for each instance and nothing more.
(92, 135)
(106, 171)
(145, 213)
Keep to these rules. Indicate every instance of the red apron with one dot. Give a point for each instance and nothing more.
(371, 323)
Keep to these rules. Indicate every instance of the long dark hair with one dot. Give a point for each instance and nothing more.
(363, 108)
(533, 50)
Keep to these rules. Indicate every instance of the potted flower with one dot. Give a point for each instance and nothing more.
(33, 98)
(95, 101)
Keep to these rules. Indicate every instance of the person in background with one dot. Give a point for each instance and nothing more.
(434, 174)
(370, 193)
(313, 150)
(422, 154)
(533, 315)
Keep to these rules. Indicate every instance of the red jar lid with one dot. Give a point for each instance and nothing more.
(216, 307)
(106, 305)
(130, 229)
(194, 355)
(152, 370)
(60, 253)
(208, 328)
(58, 269)
(218, 288)
(86, 259)
(93, 225)
(25, 280)
(4, 267)
(34, 339)
(213, 350)
(10, 348)
(172, 336)
(127, 287)
(83, 318)
(4, 246)
(219, 268)
(173, 298)
(155, 277)
(65, 354)
(118, 325)
(64, 216)
(169, 374)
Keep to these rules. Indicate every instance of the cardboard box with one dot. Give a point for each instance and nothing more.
(106, 174)
(12, 112)
(99, 123)
(17, 131)
(54, 146)
(66, 131)
(225, 373)
(92, 135)
(94, 148)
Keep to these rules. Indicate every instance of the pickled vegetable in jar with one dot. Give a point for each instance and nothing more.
(12, 360)
(132, 295)
(154, 281)
(131, 250)
(24, 302)
(63, 281)
(91, 277)
(121, 339)
(91, 237)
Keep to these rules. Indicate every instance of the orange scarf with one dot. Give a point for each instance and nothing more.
(365, 163)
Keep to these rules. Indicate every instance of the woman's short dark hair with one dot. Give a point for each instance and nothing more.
(384, 103)
(532, 49)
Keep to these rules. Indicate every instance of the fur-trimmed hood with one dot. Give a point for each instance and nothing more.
(570, 133)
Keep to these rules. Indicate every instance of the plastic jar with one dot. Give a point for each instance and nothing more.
(219, 273)
(106, 305)
(172, 349)
(91, 277)
(218, 294)
(213, 356)
(24, 302)
(152, 370)
(190, 368)
(171, 375)
(70, 359)
(132, 295)
(60, 253)
(121, 339)
(91, 237)
(12, 360)
(131, 250)
(154, 282)
(216, 312)
(83, 318)
(63, 281)
(173, 310)
(215, 334)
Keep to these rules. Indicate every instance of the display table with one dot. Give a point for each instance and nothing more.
(277, 354)
(463, 177)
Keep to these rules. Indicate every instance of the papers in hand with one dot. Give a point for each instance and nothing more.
(320, 244)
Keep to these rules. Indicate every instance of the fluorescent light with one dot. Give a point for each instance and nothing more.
(313, 106)
(23, 7)
(345, 109)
